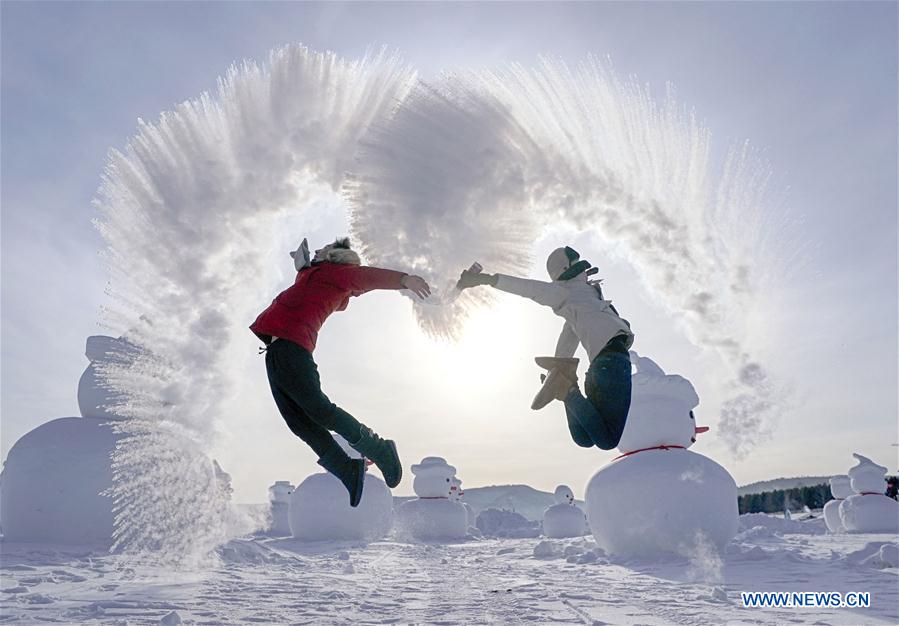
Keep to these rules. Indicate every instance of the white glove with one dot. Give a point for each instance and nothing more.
(301, 256)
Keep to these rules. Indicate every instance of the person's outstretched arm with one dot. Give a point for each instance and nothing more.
(547, 294)
(363, 278)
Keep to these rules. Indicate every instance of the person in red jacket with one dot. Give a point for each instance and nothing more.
(289, 328)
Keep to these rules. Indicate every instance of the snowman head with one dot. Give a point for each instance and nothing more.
(840, 487)
(867, 476)
(433, 477)
(280, 492)
(95, 399)
(564, 495)
(456, 492)
(661, 410)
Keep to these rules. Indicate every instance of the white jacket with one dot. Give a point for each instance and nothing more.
(588, 320)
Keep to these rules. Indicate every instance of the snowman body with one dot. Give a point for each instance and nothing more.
(868, 510)
(840, 490)
(54, 479)
(433, 516)
(659, 497)
(564, 518)
(320, 510)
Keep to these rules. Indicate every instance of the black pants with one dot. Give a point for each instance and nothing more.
(310, 415)
(599, 419)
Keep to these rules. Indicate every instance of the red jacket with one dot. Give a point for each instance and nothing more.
(300, 310)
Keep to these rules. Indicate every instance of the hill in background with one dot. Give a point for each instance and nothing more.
(782, 483)
(522, 499)
(531, 503)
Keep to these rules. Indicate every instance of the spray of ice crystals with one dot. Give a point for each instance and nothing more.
(185, 209)
(474, 164)
(436, 174)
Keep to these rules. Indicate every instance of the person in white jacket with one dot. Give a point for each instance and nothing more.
(590, 320)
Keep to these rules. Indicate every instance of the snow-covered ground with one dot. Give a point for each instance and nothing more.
(283, 581)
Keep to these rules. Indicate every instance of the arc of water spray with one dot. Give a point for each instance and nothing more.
(474, 164)
(469, 166)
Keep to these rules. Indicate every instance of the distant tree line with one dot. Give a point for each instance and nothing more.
(814, 497)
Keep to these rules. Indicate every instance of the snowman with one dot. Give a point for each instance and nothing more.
(433, 516)
(279, 498)
(319, 508)
(564, 518)
(456, 495)
(840, 490)
(658, 496)
(54, 475)
(868, 510)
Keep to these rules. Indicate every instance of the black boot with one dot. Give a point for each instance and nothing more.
(382, 452)
(351, 473)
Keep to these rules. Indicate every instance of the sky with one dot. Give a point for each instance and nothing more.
(813, 85)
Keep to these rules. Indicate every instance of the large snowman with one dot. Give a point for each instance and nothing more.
(433, 516)
(320, 509)
(564, 518)
(840, 490)
(868, 510)
(658, 496)
(54, 477)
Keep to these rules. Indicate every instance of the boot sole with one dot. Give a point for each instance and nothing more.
(550, 362)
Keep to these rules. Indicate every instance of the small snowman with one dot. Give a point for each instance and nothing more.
(869, 510)
(564, 518)
(658, 496)
(456, 495)
(433, 516)
(279, 498)
(320, 510)
(840, 490)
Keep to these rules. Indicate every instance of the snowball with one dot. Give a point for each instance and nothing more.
(564, 520)
(873, 513)
(435, 519)
(320, 509)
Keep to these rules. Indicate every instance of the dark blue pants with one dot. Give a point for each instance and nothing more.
(599, 419)
(296, 387)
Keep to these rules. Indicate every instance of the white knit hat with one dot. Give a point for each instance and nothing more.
(565, 264)
(557, 262)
